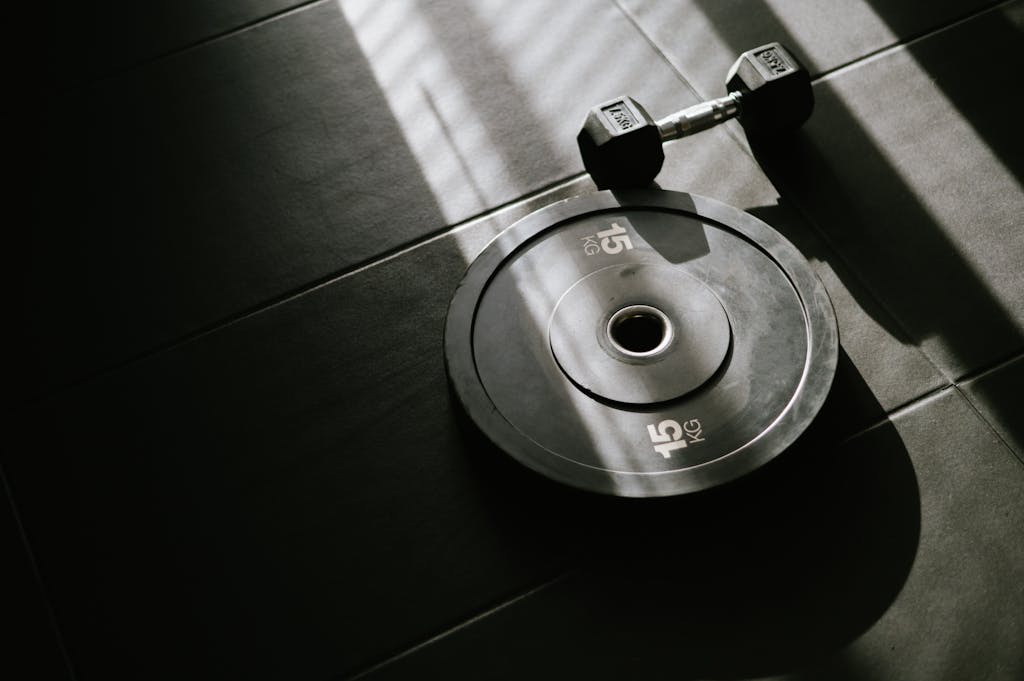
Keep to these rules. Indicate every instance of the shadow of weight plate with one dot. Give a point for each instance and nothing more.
(641, 343)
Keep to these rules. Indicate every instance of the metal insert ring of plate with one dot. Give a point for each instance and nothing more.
(643, 343)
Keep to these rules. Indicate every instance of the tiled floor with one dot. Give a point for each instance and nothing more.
(238, 455)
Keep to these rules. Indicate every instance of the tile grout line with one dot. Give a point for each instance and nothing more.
(904, 43)
(457, 227)
(249, 25)
(899, 410)
(902, 408)
(988, 424)
(461, 625)
(990, 368)
(657, 49)
(195, 44)
(730, 129)
(51, 615)
(981, 373)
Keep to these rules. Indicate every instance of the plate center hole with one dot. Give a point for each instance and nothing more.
(639, 329)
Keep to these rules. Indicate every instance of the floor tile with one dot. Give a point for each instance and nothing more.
(997, 395)
(894, 556)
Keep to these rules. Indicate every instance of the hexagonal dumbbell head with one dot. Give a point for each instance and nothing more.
(620, 145)
(774, 88)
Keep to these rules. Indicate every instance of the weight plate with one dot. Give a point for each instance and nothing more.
(642, 343)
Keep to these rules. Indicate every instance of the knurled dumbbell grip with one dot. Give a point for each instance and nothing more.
(699, 117)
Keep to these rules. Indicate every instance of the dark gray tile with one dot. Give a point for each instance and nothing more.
(215, 181)
(916, 185)
(85, 41)
(997, 395)
(893, 556)
(702, 38)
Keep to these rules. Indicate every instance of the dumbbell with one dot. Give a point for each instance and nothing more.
(769, 92)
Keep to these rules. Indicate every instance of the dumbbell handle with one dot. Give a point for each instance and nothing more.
(699, 117)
